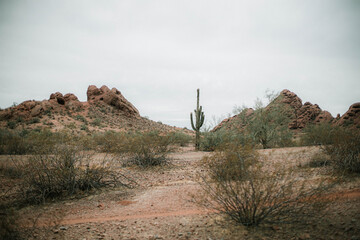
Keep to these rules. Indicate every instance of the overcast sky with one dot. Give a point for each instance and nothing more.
(158, 52)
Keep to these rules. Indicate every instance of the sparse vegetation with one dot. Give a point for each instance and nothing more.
(64, 171)
(34, 120)
(340, 145)
(145, 149)
(269, 126)
(96, 122)
(238, 186)
(319, 159)
(212, 141)
(8, 226)
(11, 124)
(180, 138)
(344, 151)
(318, 134)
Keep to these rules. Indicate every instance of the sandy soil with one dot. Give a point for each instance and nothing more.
(162, 207)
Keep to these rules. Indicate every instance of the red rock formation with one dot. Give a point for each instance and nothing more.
(303, 114)
(300, 114)
(59, 102)
(234, 121)
(351, 117)
(113, 98)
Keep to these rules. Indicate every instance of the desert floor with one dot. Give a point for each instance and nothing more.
(162, 206)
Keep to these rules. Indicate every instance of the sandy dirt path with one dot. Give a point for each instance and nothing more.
(160, 208)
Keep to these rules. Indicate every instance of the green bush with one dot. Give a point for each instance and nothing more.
(318, 134)
(180, 138)
(11, 124)
(340, 144)
(96, 122)
(34, 120)
(213, 140)
(145, 149)
(83, 127)
(80, 118)
(29, 142)
(11, 142)
(220, 139)
(231, 163)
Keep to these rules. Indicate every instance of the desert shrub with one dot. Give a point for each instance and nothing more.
(145, 149)
(34, 120)
(9, 170)
(231, 163)
(220, 139)
(11, 142)
(238, 186)
(318, 134)
(80, 118)
(344, 151)
(319, 159)
(83, 127)
(109, 141)
(212, 140)
(96, 122)
(11, 124)
(180, 138)
(8, 226)
(30, 142)
(269, 127)
(65, 171)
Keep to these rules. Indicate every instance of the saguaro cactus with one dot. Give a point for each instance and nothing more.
(199, 121)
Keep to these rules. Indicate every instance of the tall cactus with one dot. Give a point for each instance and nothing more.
(199, 121)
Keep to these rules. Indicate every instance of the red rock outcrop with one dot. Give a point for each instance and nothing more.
(113, 98)
(234, 121)
(300, 114)
(351, 117)
(303, 114)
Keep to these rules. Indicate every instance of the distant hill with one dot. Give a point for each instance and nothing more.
(104, 110)
(300, 114)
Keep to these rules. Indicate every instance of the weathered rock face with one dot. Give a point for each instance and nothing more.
(58, 97)
(303, 114)
(113, 98)
(351, 117)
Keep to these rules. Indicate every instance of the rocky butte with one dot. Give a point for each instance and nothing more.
(104, 110)
(300, 115)
(58, 101)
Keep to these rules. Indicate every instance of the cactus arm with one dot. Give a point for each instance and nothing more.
(192, 122)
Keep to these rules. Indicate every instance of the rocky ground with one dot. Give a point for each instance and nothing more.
(162, 207)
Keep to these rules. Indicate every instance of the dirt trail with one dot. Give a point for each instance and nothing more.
(161, 206)
(167, 199)
(171, 196)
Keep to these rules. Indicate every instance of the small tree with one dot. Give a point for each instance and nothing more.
(269, 125)
(199, 121)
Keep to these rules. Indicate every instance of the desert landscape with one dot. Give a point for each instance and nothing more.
(128, 177)
(180, 120)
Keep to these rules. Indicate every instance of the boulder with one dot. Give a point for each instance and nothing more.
(70, 97)
(58, 97)
(351, 117)
(37, 110)
(113, 98)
